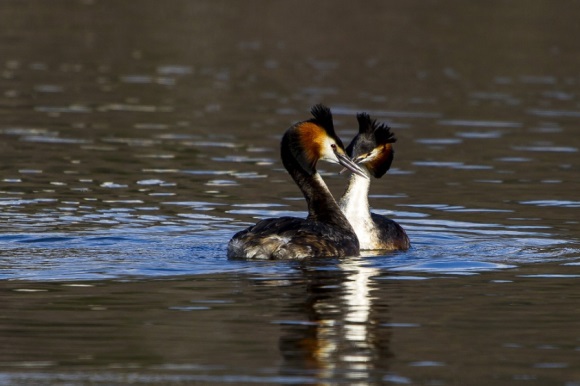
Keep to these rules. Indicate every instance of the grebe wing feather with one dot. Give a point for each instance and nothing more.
(289, 238)
(391, 235)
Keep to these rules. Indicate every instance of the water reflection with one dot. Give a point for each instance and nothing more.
(321, 322)
(339, 331)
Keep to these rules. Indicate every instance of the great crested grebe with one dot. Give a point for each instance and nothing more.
(326, 231)
(372, 148)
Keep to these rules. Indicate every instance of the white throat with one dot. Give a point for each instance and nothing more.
(354, 203)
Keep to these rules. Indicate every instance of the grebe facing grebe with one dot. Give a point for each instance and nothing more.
(326, 231)
(372, 147)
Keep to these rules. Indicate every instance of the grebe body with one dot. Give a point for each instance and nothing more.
(372, 148)
(326, 231)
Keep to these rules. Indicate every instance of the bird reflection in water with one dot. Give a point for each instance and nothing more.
(338, 332)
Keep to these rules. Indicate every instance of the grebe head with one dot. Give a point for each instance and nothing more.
(313, 140)
(372, 146)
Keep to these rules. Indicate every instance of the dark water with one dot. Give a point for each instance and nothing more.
(137, 137)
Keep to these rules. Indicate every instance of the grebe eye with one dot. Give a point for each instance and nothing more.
(333, 146)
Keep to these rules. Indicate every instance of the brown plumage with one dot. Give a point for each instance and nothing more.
(326, 231)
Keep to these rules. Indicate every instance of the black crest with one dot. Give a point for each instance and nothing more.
(322, 116)
(371, 135)
(381, 131)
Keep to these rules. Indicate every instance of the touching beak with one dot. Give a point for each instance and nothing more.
(350, 165)
(360, 159)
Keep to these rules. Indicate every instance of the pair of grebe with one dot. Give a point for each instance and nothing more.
(330, 229)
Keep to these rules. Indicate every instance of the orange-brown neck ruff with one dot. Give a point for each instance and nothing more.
(311, 137)
(302, 146)
(379, 165)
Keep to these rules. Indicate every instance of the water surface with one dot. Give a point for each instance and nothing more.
(137, 138)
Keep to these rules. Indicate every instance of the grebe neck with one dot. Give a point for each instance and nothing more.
(321, 204)
(354, 203)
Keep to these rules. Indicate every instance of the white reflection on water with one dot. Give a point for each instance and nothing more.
(478, 123)
(73, 108)
(339, 338)
(147, 79)
(338, 110)
(480, 135)
(556, 149)
(439, 141)
(53, 139)
(357, 326)
(554, 113)
(556, 203)
(452, 165)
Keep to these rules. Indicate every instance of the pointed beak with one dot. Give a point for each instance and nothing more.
(350, 165)
(360, 159)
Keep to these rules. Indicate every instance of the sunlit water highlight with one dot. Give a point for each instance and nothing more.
(197, 245)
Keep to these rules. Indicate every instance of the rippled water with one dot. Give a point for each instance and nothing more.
(136, 138)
